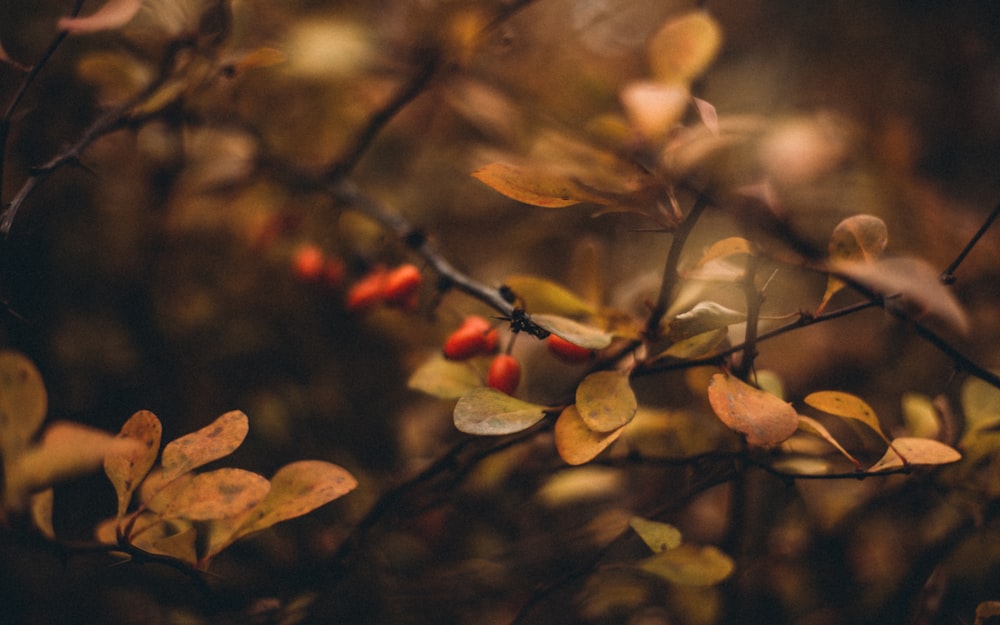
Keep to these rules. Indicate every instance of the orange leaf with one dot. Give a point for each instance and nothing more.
(112, 14)
(216, 494)
(683, 48)
(812, 426)
(577, 443)
(536, 185)
(23, 402)
(127, 468)
(847, 406)
(764, 418)
(219, 439)
(605, 400)
(906, 450)
(654, 108)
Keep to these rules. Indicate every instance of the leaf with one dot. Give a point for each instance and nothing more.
(709, 116)
(910, 287)
(216, 440)
(847, 406)
(443, 378)
(766, 420)
(905, 450)
(175, 538)
(812, 426)
(576, 443)
(981, 405)
(576, 333)
(605, 400)
(729, 246)
(23, 403)
(544, 296)
(653, 107)
(704, 317)
(216, 494)
(658, 536)
(538, 185)
(860, 238)
(695, 346)
(488, 412)
(690, 565)
(112, 14)
(127, 468)
(920, 416)
(684, 47)
(41, 512)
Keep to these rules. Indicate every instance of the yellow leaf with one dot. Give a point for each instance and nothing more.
(488, 412)
(112, 14)
(544, 296)
(216, 494)
(981, 405)
(690, 565)
(576, 333)
(576, 443)
(658, 536)
(812, 426)
(654, 108)
(729, 246)
(41, 512)
(695, 346)
(920, 416)
(23, 403)
(537, 185)
(127, 468)
(443, 378)
(859, 238)
(216, 440)
(847, 406)
(605, 400)
(915, 451)
(766, 420)
(684, 47)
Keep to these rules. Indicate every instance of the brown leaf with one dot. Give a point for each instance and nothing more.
(859, 238)
(127, 468)
(576, 443)
(218, 494)
(41, 512)
(538, 185)
(766, 420)
(112, 14)
(906, 450)
(605, 400)
(217, 440)
(23, 403)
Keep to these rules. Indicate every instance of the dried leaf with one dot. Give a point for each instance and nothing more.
(704, 317)
(812, 426)
(576, 333)
(709, 116)
(488, 412)
(605, 400)
(112, 14)
(576, 443)
(684, 47)
(729, 246)
(537, 185)
(175, 538)
(695, 346)
(690, 565)
(859, 238)
(443, 378)
(847, 406)
(766, 420)
(906, 450)
(658, 536)
(654, 108)
(216, 494)
(23, 403)
(127, 468)
(544, 296)
(41, 512)
(217, 440)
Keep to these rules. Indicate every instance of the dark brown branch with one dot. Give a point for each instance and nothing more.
(948, 275)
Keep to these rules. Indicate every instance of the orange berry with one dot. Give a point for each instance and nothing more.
(504, 374)
(472, 338)
(368, 291)
(334, 272)
(308, 261)
(565, 350)
(401, 285)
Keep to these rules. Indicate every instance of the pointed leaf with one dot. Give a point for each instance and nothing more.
(217, 440)
(709, 116)
(576, 333)
(729, 246)
(695, 346)
(812, 426)
(847, 406)
(605, 400)
(112, 14)
(766, 420)
(127, 470)
(576, 443)
(658, 536)
(915, 451)
(545, 296)
(488, 412)
(443, 378)
(41, 512)
(684, 47)
(537, 185)
(23, 403)
(690, 565)
(704, 317)
(175, 538)
(216, 494)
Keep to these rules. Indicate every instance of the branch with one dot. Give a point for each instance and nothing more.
(948, 275)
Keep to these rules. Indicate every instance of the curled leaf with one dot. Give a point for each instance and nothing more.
(41, 512)
(766, 420)
(906, 450)
(574, 332)
(704, 317)
(812, 426)
(683, 48)
(112, 14)
(605, 400)
(127, 467)
(216, 440)
(488, 412)
(658, 536)
(847, 406)
(216, 494)
(690, 565)
(859, 238)
(576, 443)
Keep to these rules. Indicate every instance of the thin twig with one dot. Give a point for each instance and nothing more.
(948, 275)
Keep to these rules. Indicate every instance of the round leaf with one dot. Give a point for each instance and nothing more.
(443, 378)
(576, 333)
(766, 420)
(576, 443)
(605, 400)
(658, 536)
(684, 47)
(653, 107)
(690, 565)
(488, 412)
(23, 402)
(216, 494)
(217, 440)
(126, 468)
(859, 237)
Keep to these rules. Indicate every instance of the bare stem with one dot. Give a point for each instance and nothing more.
(948, 275)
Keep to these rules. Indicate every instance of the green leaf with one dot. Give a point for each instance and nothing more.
(847, 406)
(576, 443)
(906, 450)
(218, 494)
(690, 565)
(704, 317)
(684, 47)
(127, 468)
(576, 333)
(216, 440)
(920, 416)
(658, 536)
(544, 296)
(488, 412)
(443, 378)
(765, 419)
(606, 401)
(23, 403)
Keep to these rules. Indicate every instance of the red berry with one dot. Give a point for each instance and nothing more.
(401, 285)
(308, 261)
(334, 272)
(473, 337)
(570, 352)
(368, 291)
(504, 374)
